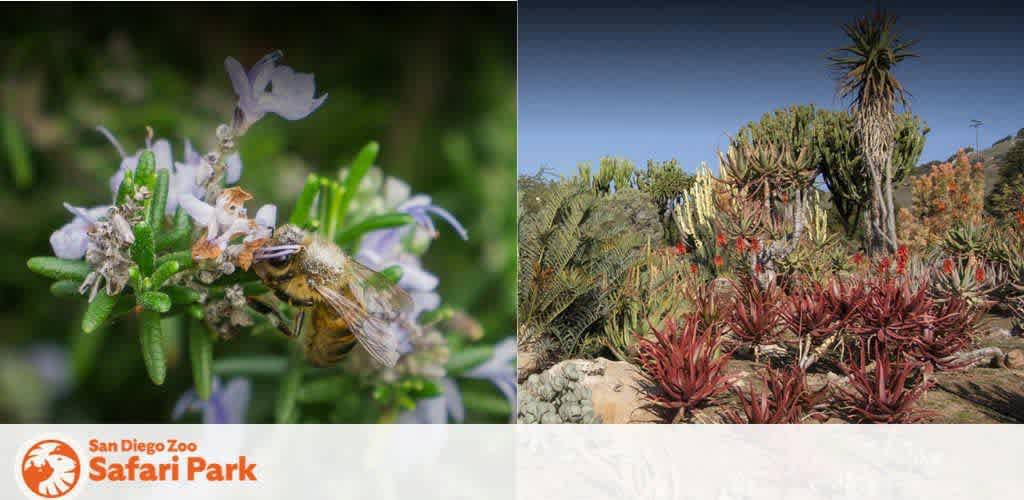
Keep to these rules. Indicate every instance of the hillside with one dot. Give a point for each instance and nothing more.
(990, 157)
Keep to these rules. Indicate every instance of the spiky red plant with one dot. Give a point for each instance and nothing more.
(684, 363)
(814, 312)
(785, 399)
(882, 391)
(953, 329)
(755, 315)
(892, 313)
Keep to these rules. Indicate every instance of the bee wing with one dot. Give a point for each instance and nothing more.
(376, 292)
(370, 330)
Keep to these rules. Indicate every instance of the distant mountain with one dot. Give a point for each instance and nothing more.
(990, 157)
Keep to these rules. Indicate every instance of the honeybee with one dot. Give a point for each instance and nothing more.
(349, 302)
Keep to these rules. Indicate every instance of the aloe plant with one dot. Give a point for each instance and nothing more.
(685, 365)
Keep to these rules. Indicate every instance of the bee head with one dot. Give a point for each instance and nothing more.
(274, 260)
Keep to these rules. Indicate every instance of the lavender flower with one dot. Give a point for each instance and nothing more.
(387, 247)
(161, 150)
(382, 249)
(290, 95)
(72, 240)
(498, 369)
(420, 208)
(227, 404)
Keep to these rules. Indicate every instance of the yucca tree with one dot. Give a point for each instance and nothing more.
(865, 77)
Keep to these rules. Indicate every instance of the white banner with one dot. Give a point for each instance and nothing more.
(496, 462)
(722, 462)
(296, 462)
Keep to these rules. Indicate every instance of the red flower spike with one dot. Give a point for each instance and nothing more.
(719, 261)
(947, 266)
(720, 239)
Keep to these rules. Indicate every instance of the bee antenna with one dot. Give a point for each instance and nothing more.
(276, 251)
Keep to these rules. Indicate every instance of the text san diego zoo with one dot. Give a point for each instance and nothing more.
(170, 460)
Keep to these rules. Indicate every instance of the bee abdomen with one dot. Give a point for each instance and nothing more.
(329, 340)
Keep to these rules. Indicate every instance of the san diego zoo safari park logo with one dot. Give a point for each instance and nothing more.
(53, 466)
(50, 468)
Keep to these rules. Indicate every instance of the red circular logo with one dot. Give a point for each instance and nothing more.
(50, 468)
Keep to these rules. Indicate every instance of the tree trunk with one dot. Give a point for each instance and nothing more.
(890, 223)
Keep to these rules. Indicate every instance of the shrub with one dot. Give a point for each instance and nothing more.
(684, 364)
(885, 394)
(755, 317)
(655, 288)
(952, 193)
(663, 181)
(892, 313)
(564, 271)
(786, 399)
(954, 328)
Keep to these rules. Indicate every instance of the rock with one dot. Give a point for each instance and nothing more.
(1015, 359)
(527, 363)
(614, 388)
(999, 333)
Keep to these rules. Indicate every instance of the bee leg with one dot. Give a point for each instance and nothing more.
(273, 315)
(300, 319)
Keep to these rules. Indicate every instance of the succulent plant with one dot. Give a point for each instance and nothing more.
(556, 396)
(970, 280)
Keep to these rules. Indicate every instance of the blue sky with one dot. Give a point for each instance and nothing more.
(658, 80)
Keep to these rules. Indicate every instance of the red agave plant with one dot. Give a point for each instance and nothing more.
(882, 391)
(785, 399)
(684, 363)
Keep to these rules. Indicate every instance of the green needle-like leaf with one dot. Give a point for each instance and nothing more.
(98, 311)
(59, 269)
(84, 351)
(151, 338)
(333, 210)
(285, 411)
(159, 203)
(17, 152)
(145, 172)
(127, 187)
(177, 237)
(144, 248)
(304, 205)
(467, 358)
(486, 403)
(200, 347)
(65, 288)
(386, 221)
(163, 272)
(181, 294)
(364, 160)
(155, 301)
(251, 365)
(183, 258)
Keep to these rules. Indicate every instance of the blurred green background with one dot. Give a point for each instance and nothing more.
(434, 84)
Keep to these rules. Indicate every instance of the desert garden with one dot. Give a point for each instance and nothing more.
(818, 274)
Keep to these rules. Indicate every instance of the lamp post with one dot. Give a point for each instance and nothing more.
(976, 124)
